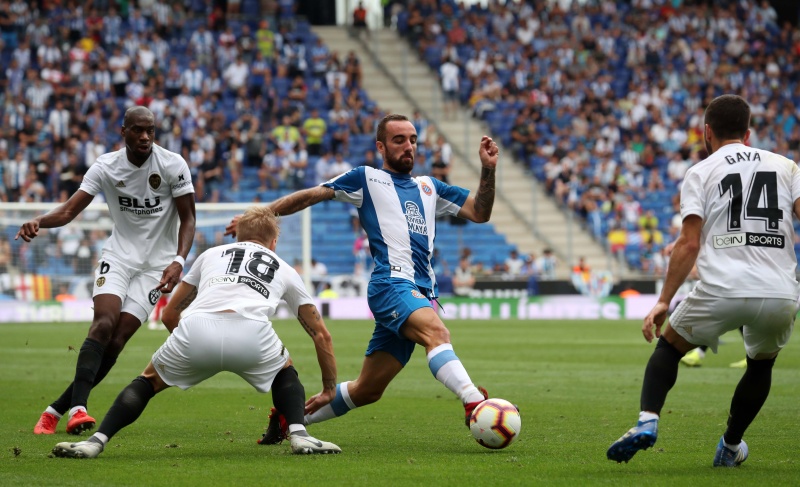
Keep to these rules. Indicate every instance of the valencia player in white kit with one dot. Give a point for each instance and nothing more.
(151, 201)
(227, 299)
(737, 208)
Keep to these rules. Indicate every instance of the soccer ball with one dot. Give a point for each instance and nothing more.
(495, 423)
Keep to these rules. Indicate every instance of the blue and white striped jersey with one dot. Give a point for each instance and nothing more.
(399, 213)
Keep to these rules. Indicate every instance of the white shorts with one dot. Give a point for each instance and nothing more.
(205, 344)
(702, 318)
(135, 287)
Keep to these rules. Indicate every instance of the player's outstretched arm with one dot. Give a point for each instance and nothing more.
(291, 203)
(300, 200)
(314, 325)
(58, 217)
(478, 208)
(186, 213)
(181, 299)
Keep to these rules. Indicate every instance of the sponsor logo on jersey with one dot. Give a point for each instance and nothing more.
(100, 281)
(120, 184)
(417, 294)
(153, 296)
(182, 182)
(154, 180)
(132, 205)
(426, 189)
(255, 285)
(222, 280)
(416, 222)
(729, 240)
(379, 181)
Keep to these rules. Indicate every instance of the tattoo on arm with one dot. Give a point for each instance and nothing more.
(309, 327)
(187, 301)
(484, 200)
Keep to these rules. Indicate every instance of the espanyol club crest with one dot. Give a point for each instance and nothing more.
(426, 189)
(154, 180)
(153, 296)
(417, 294)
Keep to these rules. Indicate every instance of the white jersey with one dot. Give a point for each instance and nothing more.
(247, 278)
(745, 197)
(141, 203)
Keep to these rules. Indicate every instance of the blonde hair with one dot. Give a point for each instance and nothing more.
(258, 223)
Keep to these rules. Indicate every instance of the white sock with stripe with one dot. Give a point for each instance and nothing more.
(449, 370)
(340, 405)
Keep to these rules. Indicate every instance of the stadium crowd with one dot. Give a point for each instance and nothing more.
(254, 102)
(603, 101)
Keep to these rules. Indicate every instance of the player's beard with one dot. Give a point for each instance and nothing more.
(399, 165)
(708, 146)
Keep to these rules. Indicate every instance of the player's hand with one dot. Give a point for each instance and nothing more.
(231, 228)
(489, 152)
(28, 231)
(653, 321)
(318, 400)
(170, 278)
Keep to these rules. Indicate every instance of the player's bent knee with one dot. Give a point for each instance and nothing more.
(102, 329)
(361, 396)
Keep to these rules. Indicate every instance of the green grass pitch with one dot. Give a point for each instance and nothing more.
(577, 384)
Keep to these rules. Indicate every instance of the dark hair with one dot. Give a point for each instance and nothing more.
(380, 136)
(728, 116)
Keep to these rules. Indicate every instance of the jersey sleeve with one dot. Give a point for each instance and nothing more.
(193, 276)
(181, 179)
(795, 181)
(348, 187)
(450, 198)
(93, 180)
(692, 202)
(296, 294)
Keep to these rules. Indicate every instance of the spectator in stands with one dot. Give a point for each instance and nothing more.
(547, 265)
(513, 265)
(360, 20)
(323, 168)
(298, 166)
(274, 168)
(463, 279)
(314, 130)
(449, 76)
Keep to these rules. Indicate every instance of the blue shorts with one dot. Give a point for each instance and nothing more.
(392, 301)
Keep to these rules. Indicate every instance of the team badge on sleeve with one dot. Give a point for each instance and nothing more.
(153, 296)
(154, 180)
(417, 294)
(100, 281)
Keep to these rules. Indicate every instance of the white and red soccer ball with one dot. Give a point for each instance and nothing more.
(495, 423)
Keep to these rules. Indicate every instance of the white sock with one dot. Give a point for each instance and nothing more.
(644, 416)
(340, 406)
(101, 437)
(449, 370)
(53, 412)
(701, 353)
(297, 428)
(730, 446)
(76, 409)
